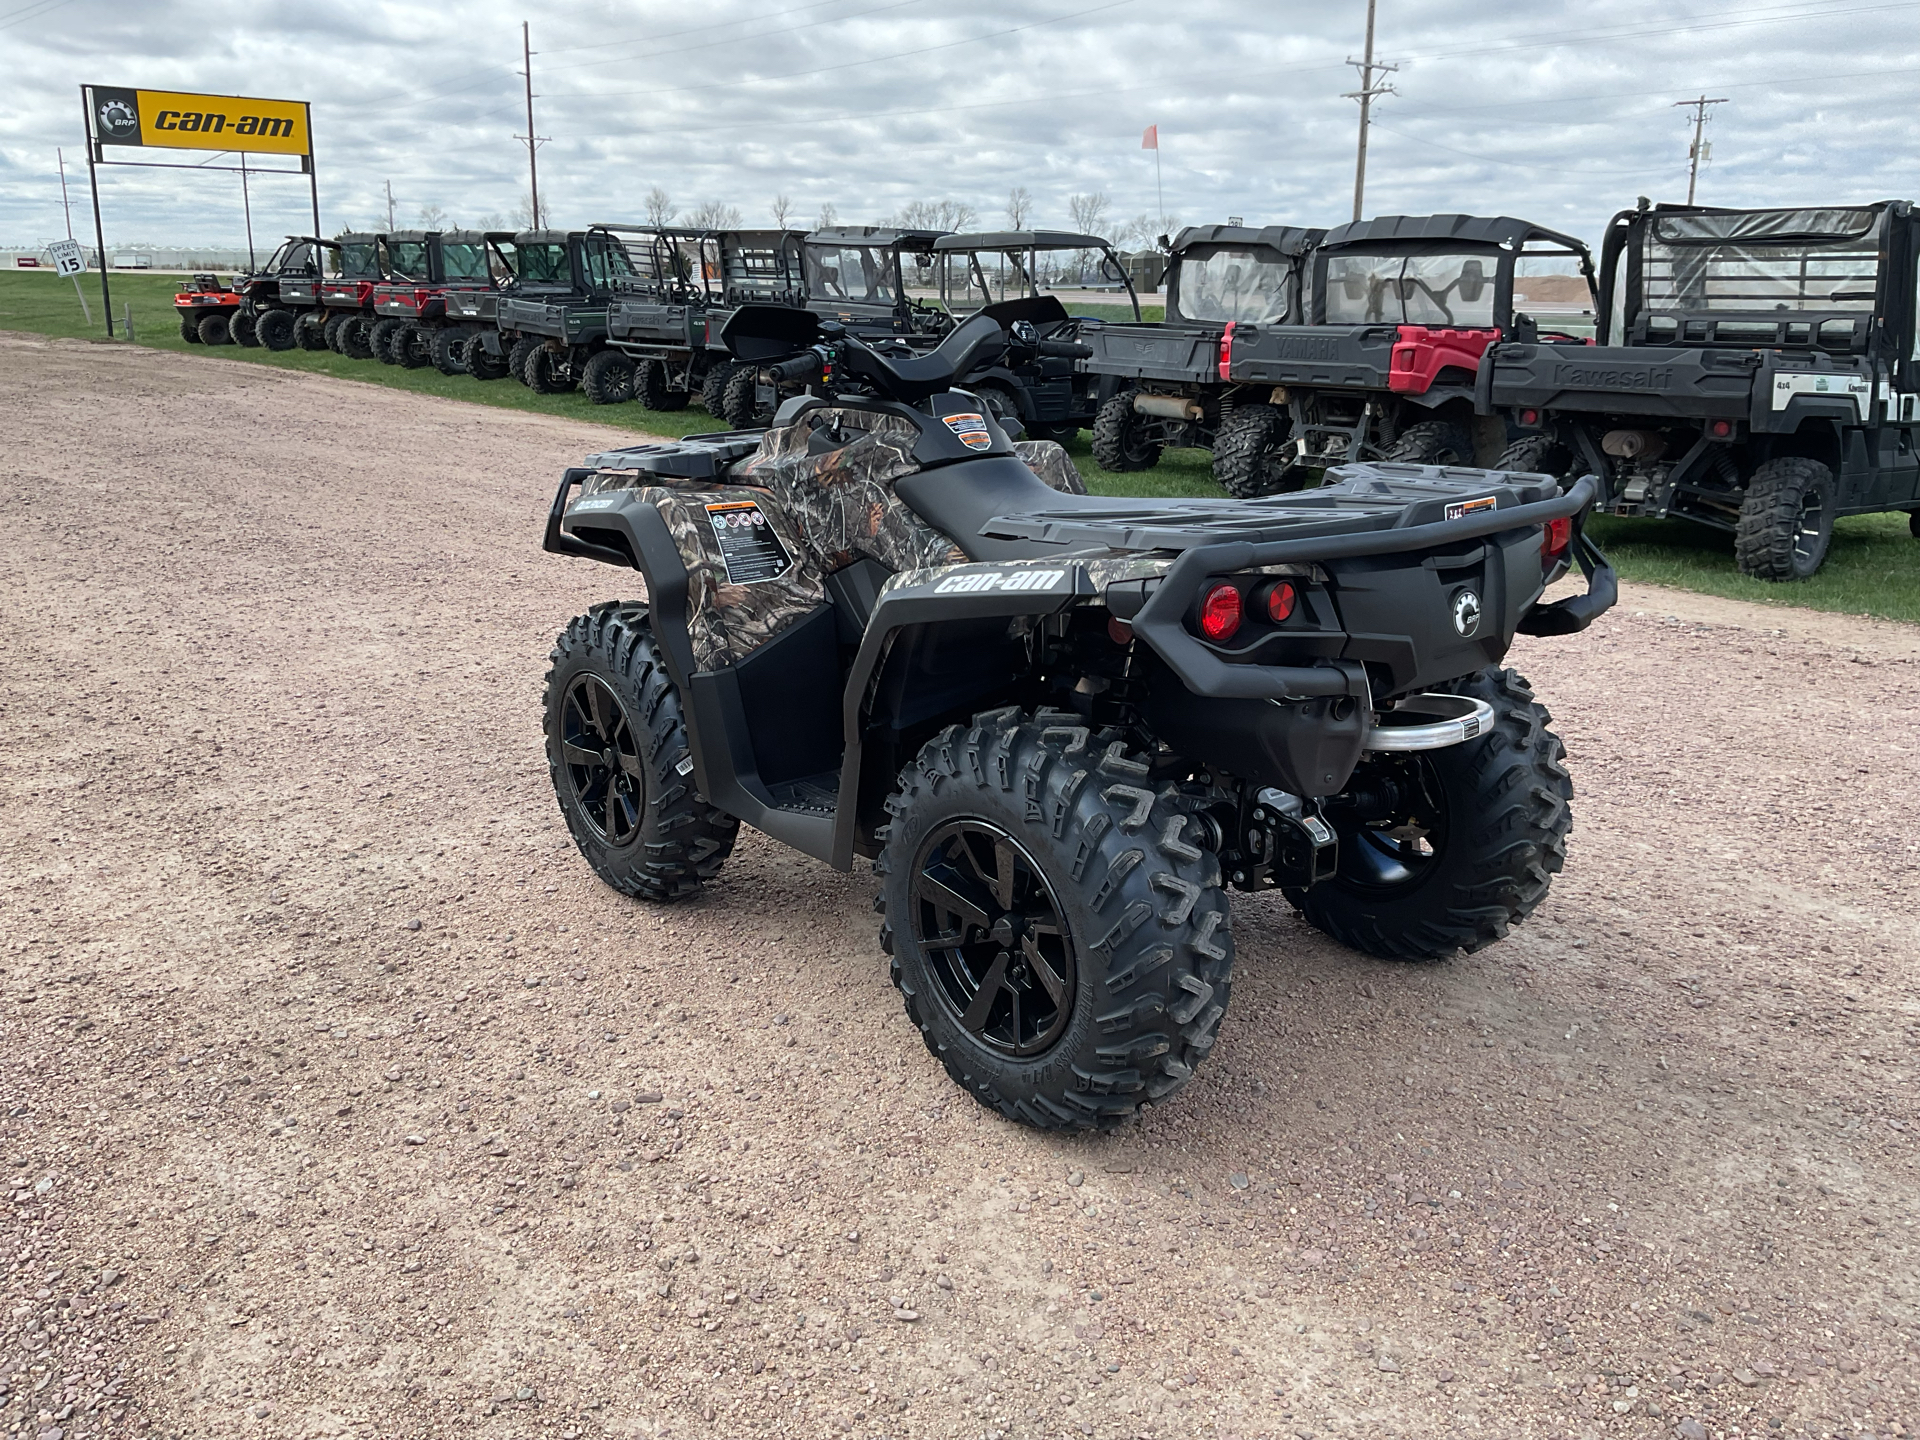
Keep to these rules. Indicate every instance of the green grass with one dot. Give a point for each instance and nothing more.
(1873, 568)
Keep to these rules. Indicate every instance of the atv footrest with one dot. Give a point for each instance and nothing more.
(813, 794)
(698, 457)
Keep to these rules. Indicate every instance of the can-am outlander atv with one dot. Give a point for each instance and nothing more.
(1060, 725)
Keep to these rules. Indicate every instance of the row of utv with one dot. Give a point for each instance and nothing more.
(1757, 371)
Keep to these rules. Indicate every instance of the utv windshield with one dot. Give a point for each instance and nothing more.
(1771, 260)
(360, 260)
(1231, 283)
(542, 265)
(408, 259)
(850, 272)
(972, 278)
(294, 257)
(464, 262)
(1411, 289)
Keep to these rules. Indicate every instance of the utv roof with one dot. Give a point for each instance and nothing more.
(1289, 240)
(1502, 230)
(876, 235)
(1022, 240)
(355, 237)
(545, 237)
(314, 240)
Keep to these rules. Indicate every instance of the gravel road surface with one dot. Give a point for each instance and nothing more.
(338, 1099)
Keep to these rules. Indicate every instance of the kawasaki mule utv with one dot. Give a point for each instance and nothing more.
(1050, 399)
(413, 329)
(1061, 726)
(556, 330)
(1758, 372)
(215, 314)
(670, 329)
(1161, 384)
(347, 298)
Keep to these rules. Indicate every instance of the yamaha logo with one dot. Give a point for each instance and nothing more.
(1466, 613)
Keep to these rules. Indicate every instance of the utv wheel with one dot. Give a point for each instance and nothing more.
(310, 333)
(617, 752)
(652, 386)
(713, 390)
(1005, 409)
(742, 405)
(1445, 850)
(1251, 453)
(381, 337)
(517, 357)
(546, 374)
(482, 363)
(1433, 442)
(189, 329)
(274, 329)
(241, 328)
(608, 378)
(1058, 932)
(335, 324)
(1786, 521)
(1061, 434)
(448, 349)
(1119, 441)
(1537, 455)
(413, 346)
(213, 330)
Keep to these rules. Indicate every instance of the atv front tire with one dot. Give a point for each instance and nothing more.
(189, 329)
(1433, 442)
(241, 328)
(1119, 446)
(1058, 931)
(274, 329)
(1248, 453)
(1786, 521)
(213, 330)
(1475, 837)
(617, 753)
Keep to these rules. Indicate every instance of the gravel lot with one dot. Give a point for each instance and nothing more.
(337, 1098)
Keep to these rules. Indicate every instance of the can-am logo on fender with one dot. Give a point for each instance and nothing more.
(972, 430)
(1005, 581)
(1466, 613)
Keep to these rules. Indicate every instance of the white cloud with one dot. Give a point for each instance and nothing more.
(1554, 111)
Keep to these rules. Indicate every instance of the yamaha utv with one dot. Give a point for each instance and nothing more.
(346, 299)
(214, 314)
(413, 329)
(668, 326)
(557, 330)
(1060, 726)
(1048, 397)
(1162, 384)
(1758, 372)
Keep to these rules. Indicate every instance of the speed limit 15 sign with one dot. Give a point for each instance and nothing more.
(67, 257)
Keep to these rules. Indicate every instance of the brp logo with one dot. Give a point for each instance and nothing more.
(119, 120)
(1466, 613)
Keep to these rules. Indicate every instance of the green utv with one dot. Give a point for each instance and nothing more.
(1062, 727)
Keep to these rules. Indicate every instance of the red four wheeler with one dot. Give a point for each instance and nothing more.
(208, 311)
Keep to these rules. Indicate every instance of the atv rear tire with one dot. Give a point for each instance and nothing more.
(1118, 446)
(449, 349)
(608, 378)
(310, 333)
(380, 339)
(517, 357)
(1089, 949)
(241, 328)
(1433, 442)
(189, 329)
(482, 363)
(713, 390)
(652, 387)
(1786, 521)
(413, 347)
(213, 330)
(638, 820)
(1483, 832)
(1537, 455)
(545, 374)
(356, 338)
(274, 329)
(742, 405)
(1247, 453)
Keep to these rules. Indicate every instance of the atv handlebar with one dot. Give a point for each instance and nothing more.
(801, 367)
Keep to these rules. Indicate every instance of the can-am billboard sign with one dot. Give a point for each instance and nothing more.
(178, 121)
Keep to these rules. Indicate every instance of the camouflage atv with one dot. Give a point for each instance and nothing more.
(1062, 727)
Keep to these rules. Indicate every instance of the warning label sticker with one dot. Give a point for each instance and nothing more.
(972, 430)
(747, 543)
(1462, 508)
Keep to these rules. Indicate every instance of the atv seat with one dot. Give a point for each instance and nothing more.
(937, 370)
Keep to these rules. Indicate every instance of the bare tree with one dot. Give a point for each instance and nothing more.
(933, 215)
(491, 222)
(432, 217)
(828, 218)
(782, 209)
(715, 215)
(1089, 212)
(522, 214)
(1019, 207)
(659, 206)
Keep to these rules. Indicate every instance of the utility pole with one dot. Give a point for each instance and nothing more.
(1696, 155)
(1365, 95)
(389, 207)
(61, 157)
(533, 141)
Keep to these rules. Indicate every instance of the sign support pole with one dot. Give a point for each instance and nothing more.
(313, 177)
(93, 184)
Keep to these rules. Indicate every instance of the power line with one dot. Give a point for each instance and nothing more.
(1694, 155)
(1366, 95)
(533, 140)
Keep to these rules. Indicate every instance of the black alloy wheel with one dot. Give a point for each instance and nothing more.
(991, 928)
(1384, 853)
(602, 761)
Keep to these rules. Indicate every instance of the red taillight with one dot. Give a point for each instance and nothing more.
(1720, 429)
(1220, 613)
(1529, 417)
(1119, 631)
(1559, 536)
(1280, 601)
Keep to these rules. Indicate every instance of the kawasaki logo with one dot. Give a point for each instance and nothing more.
(1599, 377)
(1006, 581)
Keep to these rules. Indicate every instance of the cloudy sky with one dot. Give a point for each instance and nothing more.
(1556, 111)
